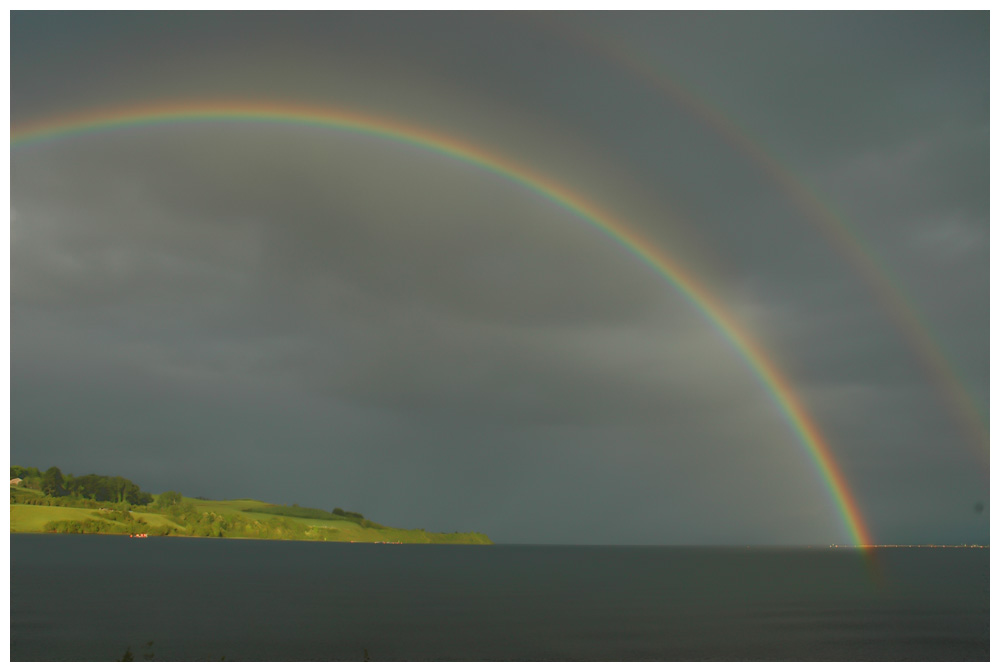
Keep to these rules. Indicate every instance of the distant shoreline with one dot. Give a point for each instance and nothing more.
(189, 536)
(171, 514)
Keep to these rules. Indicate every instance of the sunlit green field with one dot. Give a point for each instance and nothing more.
(335, 530)
(27, 518)
(34, 517)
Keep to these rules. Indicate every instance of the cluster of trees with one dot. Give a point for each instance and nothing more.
(167, 499)
(31, 477)
(99, 488)
(92, 486)
(296, 511)
(211, 524)
(357, 518)
(82, 527)
(347, 514)
(129, 526)
(26, 496)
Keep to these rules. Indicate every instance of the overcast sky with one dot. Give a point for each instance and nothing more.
(324, 318)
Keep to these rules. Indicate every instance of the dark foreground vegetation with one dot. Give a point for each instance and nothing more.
(90, 487)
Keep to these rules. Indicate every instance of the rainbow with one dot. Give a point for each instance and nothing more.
(763, 367)
(968, 413)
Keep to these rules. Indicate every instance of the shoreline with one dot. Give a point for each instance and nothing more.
(194, 536)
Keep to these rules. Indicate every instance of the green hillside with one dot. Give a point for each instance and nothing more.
(49, 508)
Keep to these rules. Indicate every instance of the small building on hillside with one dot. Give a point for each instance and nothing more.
(15, 481)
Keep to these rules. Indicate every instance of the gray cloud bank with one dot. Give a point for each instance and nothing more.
(339, 320)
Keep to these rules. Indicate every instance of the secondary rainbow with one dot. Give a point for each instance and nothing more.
(969, 413)
(771, 379)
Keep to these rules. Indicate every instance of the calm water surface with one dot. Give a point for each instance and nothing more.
(93, 597)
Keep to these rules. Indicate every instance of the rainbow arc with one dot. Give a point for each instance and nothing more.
(776, 385)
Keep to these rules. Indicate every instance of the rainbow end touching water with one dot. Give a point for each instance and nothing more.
(761, 364)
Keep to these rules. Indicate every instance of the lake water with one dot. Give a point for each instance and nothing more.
(94, 597)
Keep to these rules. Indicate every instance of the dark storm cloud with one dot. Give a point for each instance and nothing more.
(398, 333)
(171, 295)
(350, 288)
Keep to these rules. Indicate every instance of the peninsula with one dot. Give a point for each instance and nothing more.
(50, 502)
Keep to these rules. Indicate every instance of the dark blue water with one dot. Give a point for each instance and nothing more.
(94, 597)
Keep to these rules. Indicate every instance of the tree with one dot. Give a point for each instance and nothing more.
(52, 482)
(167, 499)
(32, 478)
(347, 514)
(117, 486)
(92, 486)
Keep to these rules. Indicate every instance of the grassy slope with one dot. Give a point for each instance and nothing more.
(28, 518)
(337, 530)
(31, 518)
